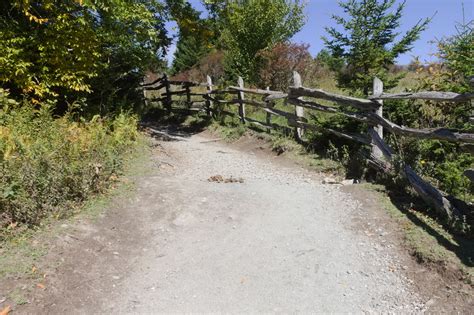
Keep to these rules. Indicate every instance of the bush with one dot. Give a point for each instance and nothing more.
(48, 165)
(211, 64)
(279, 62)
(443, 163)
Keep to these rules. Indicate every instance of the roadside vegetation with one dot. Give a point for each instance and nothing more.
(50, 165)
(69, 103)
(70, 97)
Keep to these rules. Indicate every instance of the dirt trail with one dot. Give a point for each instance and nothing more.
(280, 241)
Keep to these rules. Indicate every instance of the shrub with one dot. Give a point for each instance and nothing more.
(443, 162)
(48, 165)
(211, 64)
(279, 63)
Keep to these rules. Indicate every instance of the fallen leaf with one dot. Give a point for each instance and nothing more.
(6, 310)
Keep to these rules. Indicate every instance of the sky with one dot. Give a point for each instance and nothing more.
(445, 13)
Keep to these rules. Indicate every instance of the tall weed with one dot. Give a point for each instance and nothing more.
(48, 165)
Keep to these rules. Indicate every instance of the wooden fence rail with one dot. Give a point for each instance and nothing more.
(298, 98)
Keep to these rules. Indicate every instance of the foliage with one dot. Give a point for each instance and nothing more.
(196, 35)
(279, 62)
(452, 74)
(35, 55)
(368, 43)
(326, 58)
(215, 12)
(441, 161)
(249, 26)
(210, 65)
(189, 51)
(49, 165)
(68, 50)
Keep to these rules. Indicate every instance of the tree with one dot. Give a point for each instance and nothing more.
(64, 51)
(452, 73)
(196, 36)
(189, 51)
(327, 59)
(442, 161)
(368, 43)
(249, 26)
(133, 39)
(279, 63)
(45, 48)
(209, 65)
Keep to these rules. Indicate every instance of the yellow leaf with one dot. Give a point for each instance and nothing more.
(6, 310)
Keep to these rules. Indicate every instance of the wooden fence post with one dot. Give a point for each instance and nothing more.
(168, 95)
(145, 97)
(299, 111)
(378, 90)
(188, 96)
(241, 98)
(209, 90)
(269, 104)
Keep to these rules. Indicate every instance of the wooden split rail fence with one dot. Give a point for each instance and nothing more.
(300, 99)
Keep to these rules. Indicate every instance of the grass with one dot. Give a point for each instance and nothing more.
(17, 297)
(20, 252)
(426, 239)
(409, 82)
(229, 128)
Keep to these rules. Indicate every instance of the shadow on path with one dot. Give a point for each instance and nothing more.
(175, 126)
(461, 246)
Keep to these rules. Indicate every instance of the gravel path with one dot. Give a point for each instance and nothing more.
(278, 242)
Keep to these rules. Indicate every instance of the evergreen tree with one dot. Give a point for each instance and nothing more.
(326, 58)
(189, 51)
(196, 36)
(368, 45)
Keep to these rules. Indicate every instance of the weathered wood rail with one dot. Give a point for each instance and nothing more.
(299, 98)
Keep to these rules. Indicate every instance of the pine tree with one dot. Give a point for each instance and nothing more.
(368, 43)
(189, 51)
(196, 35)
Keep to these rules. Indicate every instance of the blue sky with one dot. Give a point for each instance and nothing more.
(446, 13)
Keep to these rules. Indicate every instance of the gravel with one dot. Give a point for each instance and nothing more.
(280, 241)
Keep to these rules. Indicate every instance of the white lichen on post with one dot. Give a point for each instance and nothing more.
(299, 111)
(378, 90)
(241, 99)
